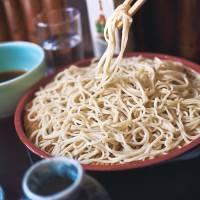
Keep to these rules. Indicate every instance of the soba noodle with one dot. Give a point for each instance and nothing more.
(117, 110)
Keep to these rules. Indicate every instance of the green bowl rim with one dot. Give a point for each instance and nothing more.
(27, 44)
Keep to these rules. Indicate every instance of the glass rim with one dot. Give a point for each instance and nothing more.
(42, 24)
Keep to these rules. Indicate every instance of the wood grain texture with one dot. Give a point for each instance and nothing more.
(171, 27)
(155, 27)
(52, 5)
(30, 10)
(51, 8)
(4, 32)
(188, 29)
(15, 19)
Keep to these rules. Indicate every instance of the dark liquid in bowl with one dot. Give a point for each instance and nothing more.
(6, 76)
(53, 185)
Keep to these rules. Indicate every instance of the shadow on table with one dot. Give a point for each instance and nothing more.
(14, 160)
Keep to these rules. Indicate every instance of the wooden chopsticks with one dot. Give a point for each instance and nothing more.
(133, 9)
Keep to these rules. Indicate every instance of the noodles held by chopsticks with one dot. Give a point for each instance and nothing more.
(117, 110)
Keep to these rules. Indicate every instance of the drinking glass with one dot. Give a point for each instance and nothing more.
(60, 34)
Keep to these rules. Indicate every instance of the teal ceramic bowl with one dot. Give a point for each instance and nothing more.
(19, 56)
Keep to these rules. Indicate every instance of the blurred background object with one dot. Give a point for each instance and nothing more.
(30, 9)
(61, 178)
(59, 32)
(98, 12)
(14, 19)
(169, 26)
(2, 195)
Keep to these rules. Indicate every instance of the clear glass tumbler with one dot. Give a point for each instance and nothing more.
(60, 35)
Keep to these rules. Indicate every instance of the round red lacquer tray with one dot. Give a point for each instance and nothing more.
(19, 116)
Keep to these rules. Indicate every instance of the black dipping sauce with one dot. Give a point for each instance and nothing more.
(53, 185)
(6, 76)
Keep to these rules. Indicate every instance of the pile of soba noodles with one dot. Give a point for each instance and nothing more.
(117, 110)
